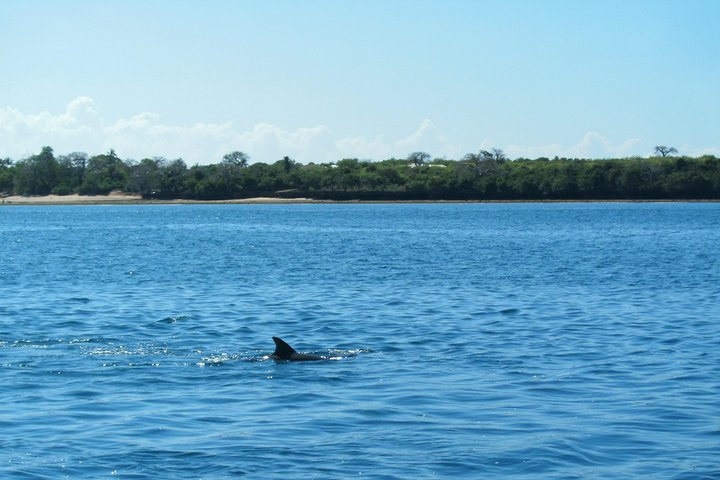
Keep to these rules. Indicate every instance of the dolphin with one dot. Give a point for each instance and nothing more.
(283, 351)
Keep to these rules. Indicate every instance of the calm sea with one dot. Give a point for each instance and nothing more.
(469, 341)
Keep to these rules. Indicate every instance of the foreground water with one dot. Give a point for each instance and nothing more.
(472, 341)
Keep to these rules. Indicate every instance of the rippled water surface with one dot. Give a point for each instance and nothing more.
(469, 341)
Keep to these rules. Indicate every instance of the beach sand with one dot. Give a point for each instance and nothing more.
(119, 198)
(113, 197)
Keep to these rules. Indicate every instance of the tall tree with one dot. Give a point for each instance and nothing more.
(664, 151)
(485, 162)
(104, 174)
(37, 175)
(6, 175)
(72, 170)
(231, 169)
(287, 163)
(236, 159)
(497, 155)
(144, 177)
(173, 180)
(418, 158)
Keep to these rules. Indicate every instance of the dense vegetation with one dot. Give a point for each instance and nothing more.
(487, 175)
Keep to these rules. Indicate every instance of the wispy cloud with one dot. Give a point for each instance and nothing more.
(592, 145)
(82, 127)
(715, 151)
(427, 138)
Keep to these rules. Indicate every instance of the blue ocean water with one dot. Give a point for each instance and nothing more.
(470, 341)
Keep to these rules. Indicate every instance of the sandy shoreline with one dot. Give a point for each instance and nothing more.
(129, 199)
(68, 199)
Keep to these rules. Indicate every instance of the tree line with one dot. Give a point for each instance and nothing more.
(486, 175)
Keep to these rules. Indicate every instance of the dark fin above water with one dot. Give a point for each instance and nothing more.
(282, 349)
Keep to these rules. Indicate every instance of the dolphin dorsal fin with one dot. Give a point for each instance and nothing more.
(282, 349)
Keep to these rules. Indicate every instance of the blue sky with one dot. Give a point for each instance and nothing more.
(324, 80)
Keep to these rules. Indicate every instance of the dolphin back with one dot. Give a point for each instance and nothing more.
(282, 349)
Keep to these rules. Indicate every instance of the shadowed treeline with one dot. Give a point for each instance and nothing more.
(482, 176)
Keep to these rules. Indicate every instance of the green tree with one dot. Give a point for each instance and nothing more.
(288, 164)
(495, 154)
(485, 162)
(6, 175)
(38, 174)
(175, 181)
(231, 172)
(418, 158)
(663, 151)
(592, 181)
(145, 177)
(236, 159)
(104, 174)
(71, 172)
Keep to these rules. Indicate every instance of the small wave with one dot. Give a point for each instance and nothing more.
(220, 359)
(44, 343)
(122, 350)
(85, 340)
(78, 300)
(349, 353)
(223, 358)
(174, 319)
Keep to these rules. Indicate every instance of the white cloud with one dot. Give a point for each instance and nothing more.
(360, 147)
(427, 138)
(592, 145)
(686, 150)
(427, 135)
(269, 143)
(710, 151)
(82, 127)
(82, 112)
(144, 135)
